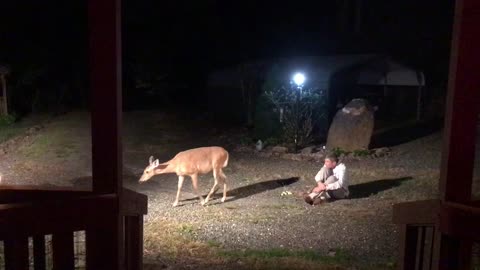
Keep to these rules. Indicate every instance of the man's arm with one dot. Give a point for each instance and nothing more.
(319, 188)
(340, 175)
(319, 175)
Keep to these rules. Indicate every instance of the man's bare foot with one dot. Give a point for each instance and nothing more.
(308, 199)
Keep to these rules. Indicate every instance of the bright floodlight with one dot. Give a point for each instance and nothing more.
(299, 79)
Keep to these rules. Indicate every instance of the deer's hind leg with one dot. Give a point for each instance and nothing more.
(215, 186)
(223, 178)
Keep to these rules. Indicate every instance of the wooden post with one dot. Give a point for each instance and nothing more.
(4, 89)
(134, 242)
(463, 102)
(105, 83)
(105, 246)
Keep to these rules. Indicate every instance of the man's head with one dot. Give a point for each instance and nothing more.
(331, 160)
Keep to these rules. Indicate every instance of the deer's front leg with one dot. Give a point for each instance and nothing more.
(195, 188)
(180, 183)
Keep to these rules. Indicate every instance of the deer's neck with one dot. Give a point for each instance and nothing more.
(167, 167)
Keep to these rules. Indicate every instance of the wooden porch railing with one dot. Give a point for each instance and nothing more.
(422, 223)
(37, 213)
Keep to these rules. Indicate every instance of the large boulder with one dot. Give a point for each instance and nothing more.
(352, 126)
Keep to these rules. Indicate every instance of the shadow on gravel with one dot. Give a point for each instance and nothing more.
(364, 190)
(247, 191)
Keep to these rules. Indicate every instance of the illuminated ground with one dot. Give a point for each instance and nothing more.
(256, 227)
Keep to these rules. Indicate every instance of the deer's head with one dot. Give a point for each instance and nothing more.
(149, 170)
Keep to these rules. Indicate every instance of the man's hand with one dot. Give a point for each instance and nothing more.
(319, 188)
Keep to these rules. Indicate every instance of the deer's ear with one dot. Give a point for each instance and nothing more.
(155, 163)
(150, 160)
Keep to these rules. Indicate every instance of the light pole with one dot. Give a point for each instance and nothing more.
(299, 80)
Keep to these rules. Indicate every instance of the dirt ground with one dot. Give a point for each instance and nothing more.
(257, 227)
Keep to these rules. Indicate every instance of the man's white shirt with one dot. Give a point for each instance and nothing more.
(340, 172)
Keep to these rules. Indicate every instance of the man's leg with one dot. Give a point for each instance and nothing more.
(326, 177)
(330, 180)
(323, 174)
(336, 194)
(312, 196)
(325, 195)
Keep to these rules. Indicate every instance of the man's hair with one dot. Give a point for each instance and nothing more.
(332, 157)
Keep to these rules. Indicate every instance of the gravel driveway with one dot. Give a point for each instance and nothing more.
(255, 216)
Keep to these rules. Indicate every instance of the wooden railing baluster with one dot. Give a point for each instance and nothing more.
(62, 247)
(134, 242)
(35, 214)
(39, 260)
(16, 253)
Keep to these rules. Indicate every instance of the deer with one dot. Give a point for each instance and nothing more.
(191, 163)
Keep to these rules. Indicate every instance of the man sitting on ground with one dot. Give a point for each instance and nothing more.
(332, 182)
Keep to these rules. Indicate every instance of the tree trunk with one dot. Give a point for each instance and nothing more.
(4, 87)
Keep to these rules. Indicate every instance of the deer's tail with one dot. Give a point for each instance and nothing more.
(226, 161)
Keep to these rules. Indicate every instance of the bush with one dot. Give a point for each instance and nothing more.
(7, 120)
(339, 152)
(296, 111)
(361, 153)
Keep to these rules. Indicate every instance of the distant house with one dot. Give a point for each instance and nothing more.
(3, 93)
(388, 84)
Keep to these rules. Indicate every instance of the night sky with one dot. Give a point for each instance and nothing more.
(187, 39)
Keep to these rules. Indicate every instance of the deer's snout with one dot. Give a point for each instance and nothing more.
(142, 179)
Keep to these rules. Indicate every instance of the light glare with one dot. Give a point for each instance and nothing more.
(299, 79)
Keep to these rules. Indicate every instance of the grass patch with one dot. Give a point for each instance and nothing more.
(340, 257)
(280, 258)
(60, 139)
(186, 229)
(57, 141)
(171, 242)
(14, 129)
(8, 132)
(213, 244)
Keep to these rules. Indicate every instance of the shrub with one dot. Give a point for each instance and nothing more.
(297, 111)
(338, 151)
(361, 153)
(7, 120)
